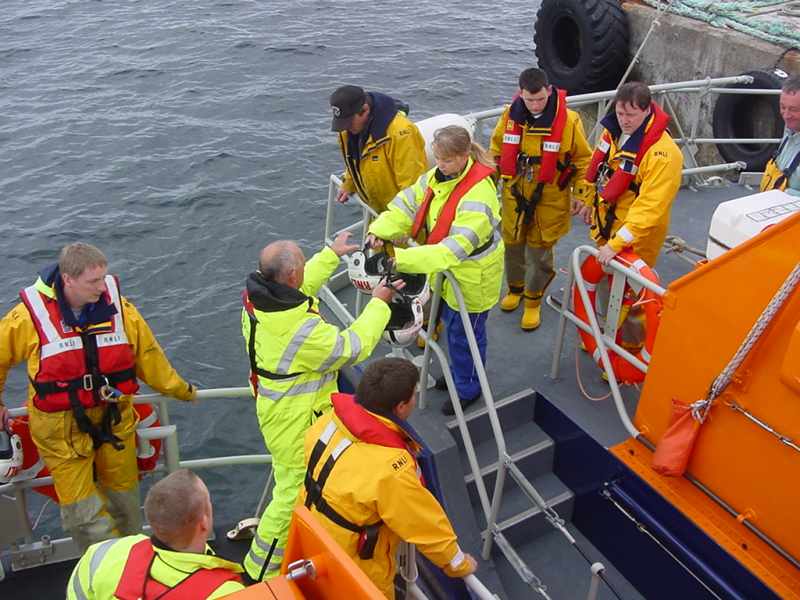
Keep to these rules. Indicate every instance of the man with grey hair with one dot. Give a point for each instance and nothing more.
(295, 357)
(174, 559)
(86, 348)
(781, 172)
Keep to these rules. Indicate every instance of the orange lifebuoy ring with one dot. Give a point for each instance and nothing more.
(32, 464)
(592, 272)
(147, 451)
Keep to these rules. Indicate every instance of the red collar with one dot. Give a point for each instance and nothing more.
(364, 425)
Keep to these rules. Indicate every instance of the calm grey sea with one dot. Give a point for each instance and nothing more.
(180, 137)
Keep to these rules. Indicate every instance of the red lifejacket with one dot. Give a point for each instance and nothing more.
(135, 582)
(551, 144)
(66, 356)
(476, 174)
(623, 177)
(368, 428)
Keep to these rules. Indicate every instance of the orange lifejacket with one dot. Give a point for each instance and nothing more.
(135, 582)
(623, 178)
(444, 221)
(551, 144)
(592, 272)
(73, 365)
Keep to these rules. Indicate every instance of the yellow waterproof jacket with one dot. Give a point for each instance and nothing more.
(99, 570)
(552, 218)
(20, 342)
(391, 159)
(475, 227)
(371, 483)
(642, 219)
(296, 342)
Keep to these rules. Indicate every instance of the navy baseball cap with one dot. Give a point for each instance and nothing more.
(346, 102)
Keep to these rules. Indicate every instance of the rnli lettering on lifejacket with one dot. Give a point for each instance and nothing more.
(400, 462)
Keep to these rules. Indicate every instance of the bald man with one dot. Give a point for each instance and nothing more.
(295, 357)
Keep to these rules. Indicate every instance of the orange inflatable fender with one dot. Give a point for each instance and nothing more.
(651, 303)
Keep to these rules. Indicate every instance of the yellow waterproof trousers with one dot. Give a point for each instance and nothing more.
(98, 489)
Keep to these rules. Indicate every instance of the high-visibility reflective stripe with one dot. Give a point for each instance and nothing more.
(400, 204)
(455, 248)
(457, 559)
(511, 138)
(294, 345)
(77, 588)
(625, 234)
(328, 432)
(113, 291)
(645, 355)
(422, 182)
(307, 387)
(274, 562)
(59, 346)
(355, 345)
(98, 556)
(496, 238)
(603, 145)
(41, 314)
(343, 445)
(336, 354)
(479, 207)
(467, 233)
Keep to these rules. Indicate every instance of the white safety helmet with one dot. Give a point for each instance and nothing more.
(366, 272)
(407, 310)
(10, 455)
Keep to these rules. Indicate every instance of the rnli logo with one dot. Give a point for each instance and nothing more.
(399, 463)
(509, 125)
(70, 344)
(337, 112)
(65, 328)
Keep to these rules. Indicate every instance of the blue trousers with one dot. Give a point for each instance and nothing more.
(461, 364)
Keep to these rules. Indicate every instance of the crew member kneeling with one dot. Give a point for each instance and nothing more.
(363, 478)
(174, 559)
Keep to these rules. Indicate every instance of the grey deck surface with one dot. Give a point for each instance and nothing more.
(519, 360)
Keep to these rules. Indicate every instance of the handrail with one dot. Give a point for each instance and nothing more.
(603, 341)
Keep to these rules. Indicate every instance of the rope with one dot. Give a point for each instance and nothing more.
(580, 381)
(764, 19)
(701, 408)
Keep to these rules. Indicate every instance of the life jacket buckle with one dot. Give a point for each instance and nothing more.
(88, 382)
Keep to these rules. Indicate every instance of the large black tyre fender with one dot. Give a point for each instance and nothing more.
(582, 44)
(749, 116)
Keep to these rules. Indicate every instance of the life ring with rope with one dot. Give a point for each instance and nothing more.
(147, 451)
(33, 467)
(651, 303)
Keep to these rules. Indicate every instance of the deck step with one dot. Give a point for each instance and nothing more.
(529, 447)
(519, 519)
(511, 411)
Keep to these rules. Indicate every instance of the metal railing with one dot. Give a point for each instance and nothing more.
(31, 553)
(605, 337)
(688, 138)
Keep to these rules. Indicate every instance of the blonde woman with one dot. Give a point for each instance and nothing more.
(453, 211)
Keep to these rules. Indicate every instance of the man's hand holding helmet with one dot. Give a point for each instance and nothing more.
(386, 289)
(340, 245)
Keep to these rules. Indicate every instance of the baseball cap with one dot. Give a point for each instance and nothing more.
(346, 101)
